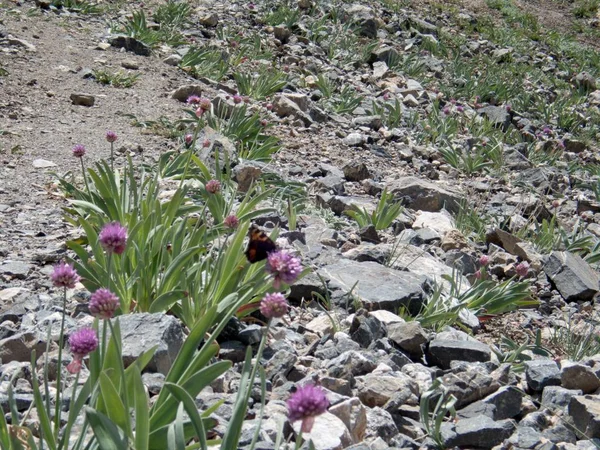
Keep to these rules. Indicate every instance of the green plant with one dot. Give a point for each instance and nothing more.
(514, 354)
(443, 403)
(262, 85)
(205, 62)
(584, 9)
(390, 113)
(576, 341)
(347, 101)
(485, 296)
(170, 16)
(80, 6)
(325, 85)
(116, 79)
(386, 211)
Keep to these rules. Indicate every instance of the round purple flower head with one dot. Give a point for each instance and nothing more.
(274, 305)
(213, 186)
(103, 304)
(64, 275)
(284, 267)
(522, 269)
(237, 99)
(111, 136)
(82, 342)
(305, 404)
(113, 238)
(484, 260)
(193, 100)
(188, 139)
(231, 221)
(205, 104)
(78, 151)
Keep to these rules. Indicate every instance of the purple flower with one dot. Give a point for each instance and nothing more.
(206, 143)
(82, 342)
(460, 108)
(547, 130)
(274, 305)
(284, 267)
(64, 275)
(478, 274)
(204, 104)
(193, 100)
(213, 186)
(237, 99)
(446, 110)
(78, 151)
(111, 136)
(484, 260)
(103, 304)
(305, 404)
(113, 238)
(188, 139)
(231, 221)
(522, 269)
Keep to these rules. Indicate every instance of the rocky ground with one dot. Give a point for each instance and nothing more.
(481, 118)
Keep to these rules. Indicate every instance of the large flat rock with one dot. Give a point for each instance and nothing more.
(377, 286)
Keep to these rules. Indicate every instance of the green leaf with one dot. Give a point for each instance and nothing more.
(176, 436)
(142, 412)
(190, 407)
(113, 402)
(109, 436)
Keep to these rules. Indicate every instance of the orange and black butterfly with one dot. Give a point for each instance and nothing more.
(260, 245)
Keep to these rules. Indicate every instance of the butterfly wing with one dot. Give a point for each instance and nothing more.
(260, 245)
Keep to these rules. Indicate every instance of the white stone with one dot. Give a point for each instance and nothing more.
(328, 433)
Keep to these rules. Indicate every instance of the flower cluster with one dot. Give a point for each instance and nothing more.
(213, 186)
(274, 306)
(284, 267)
(103, 304)
(113, 238)
(305, 404)
(64, 275)
(82, 343)
(111, 136)
(78, 151)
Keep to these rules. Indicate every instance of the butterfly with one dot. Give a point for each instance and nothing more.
(260, 245)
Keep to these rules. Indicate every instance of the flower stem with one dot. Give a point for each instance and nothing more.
(112, 157)
(87, 186)
(123, 385)
(59, 365)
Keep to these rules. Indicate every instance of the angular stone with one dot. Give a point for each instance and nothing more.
(409, 336)
(378, 287)
(356, 171)
(15, 269)
(424, 195)
(558, 397)
(541, 373)
(131, 45)
(442, 352)
(573, 277)
(579, 376)
(141, 332)
(366, 329)
(82, 99)
(182, 93)
(377, 390)
(584, 411)
(478, 432)
(285, 107)
(354, 415)
(328, 433)
(498, 115)
(442, 222)
(380, 423)
(19, 347)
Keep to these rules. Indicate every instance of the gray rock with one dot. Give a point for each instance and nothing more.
(369, 234)
(356, 171)
(281, 363)
(579, 377)
(153, 381)
(380, 424)
(82, 99)
(409, 336)
(573, 277)
(285, 107)
(498, 115)
(558, 397)
(182, 93)
(365, 329)
(209, 20)
(251, 334)
(584, 411)
(354, 139)
(424, 195)
(141, 332)
(172, 60)
(364, 17)
(350, 364)
(574, 145)
(130, 44)
(15, 269)
(377, 389)
(376, 286)
(19, 347)
(507, 401)
(474, 383)
(385, 54)
(479, 432)
(585, 81)
(442, 352)
(246, 173)
(526, 437)
(40, 163)
(541, 373)
(380, 68)
(372, 122)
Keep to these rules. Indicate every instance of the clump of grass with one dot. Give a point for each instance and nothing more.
(585, 9)
(115, 79)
